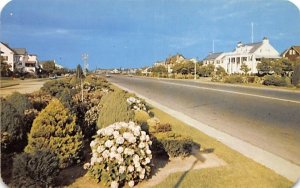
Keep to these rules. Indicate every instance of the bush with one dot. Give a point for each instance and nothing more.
(120, 154)
(55, 129)
(296, 75)
(12, 130)
(114, 108)
(233, 79)
(174, 144)
(56, 87)
(35, 170)
(20, 102)
(275, 80)
(153, 123)
(141, 116)
(163, 128)
(39, 99)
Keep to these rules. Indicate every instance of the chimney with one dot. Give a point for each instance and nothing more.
(239, 44)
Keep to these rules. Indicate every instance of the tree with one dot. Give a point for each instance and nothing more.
(49, 66)
(5, 69)
(37, 169)
(220, 71)
(12, 131)
(265, 66)
(159, 69)
(206, 70)
(55, 129)
(79, 72)
(245, 68)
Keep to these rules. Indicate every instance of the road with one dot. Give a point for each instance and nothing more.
(266, 118)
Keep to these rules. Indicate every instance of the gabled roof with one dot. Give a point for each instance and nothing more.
(254, 46)
(296, 48)
(20, 51)
(213, 56)
(7, 46)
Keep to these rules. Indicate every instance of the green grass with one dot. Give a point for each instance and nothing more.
(240, 171)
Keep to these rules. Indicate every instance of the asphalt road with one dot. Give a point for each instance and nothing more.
(267, 118)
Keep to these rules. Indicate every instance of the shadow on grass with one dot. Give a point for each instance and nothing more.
(199, 158)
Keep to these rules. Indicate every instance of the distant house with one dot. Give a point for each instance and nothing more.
(292, 53)
(32, 63)
(249, 54)
(7, 55)
(20, 58)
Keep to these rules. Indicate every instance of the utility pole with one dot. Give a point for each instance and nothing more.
(213, 50)
(195, 71)
(252, 32)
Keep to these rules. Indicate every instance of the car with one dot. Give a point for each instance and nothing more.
(107, 75)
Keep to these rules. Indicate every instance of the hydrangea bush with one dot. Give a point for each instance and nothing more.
(120, 154)
(137, 104)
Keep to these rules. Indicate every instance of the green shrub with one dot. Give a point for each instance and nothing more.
(55, 129)
(251, 79)
(39, 99)
(35, 169)
(56, 87)
(20, 102)
(141, 116)
(174, 144)
(12, 130)
(152, 124)
(296, 75)
(114, 108)
(163, 128)
(275, 80)
(233, 79)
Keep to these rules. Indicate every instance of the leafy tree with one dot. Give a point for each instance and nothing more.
(37, 169)
(55, 129)
(5, 69)
(265, 66)
(56, 87)
(159, 69)
(245, 68)
(296, 75)
(114, 108)
(206, 70)
(220, 71)
(12, 131)
(20, 102)
(49, 66)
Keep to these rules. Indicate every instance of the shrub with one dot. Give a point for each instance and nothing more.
(275, 80)
(163, 128)
(153, 123)
(233, 79)
(20, 102)
(220, 71)
(55, 129)
(56, 87)
(296, 75)
(141, 116)
(120, 154)
(35, 169)
(174, 144)
(12, 130)
(114, 108)
(39, 99)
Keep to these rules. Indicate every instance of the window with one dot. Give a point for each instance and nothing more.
(294, 52)
(291, 52)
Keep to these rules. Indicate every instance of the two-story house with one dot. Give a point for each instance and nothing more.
(292, 53)
(7, 55)
(249, 54)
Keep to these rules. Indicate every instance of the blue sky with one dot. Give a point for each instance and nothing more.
(136, 33)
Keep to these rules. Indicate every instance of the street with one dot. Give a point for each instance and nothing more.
(266, 118)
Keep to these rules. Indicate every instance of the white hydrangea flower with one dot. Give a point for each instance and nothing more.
(142, 176)
(122, 169)
(105, 154)
(108, 143)
(114, 184)
(148, 151)
(147, 160)
(131, 183)
(116, 134)
(132, 140)
(120, 140)
(142, 145)
(93, 143)
(100, 149)
(130, 168)
(120, 149)
(113, 148)
(136, 158)
(108, 131)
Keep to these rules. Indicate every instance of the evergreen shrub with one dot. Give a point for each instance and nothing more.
(55, 129)
(37, 169)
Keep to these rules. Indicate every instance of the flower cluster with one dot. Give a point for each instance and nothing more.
(120, 154)
(137, 104)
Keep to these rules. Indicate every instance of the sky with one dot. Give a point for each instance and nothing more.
(137, 33)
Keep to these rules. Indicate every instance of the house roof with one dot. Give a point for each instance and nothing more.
(254, 46)
(20, 51)
(213, 56)
(6, 45)
(296, 48)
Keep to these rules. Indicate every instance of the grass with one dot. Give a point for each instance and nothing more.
(240, 171)
(8, 83)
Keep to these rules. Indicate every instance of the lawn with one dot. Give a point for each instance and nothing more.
(240, 171)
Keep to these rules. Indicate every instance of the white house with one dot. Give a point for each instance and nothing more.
(20, 58)
(249, 54)
(31, 64)
(7, 55)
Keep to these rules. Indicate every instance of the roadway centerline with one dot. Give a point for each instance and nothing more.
(233, 92)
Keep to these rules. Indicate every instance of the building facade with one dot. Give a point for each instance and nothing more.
(7, 55)
(249, 54)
